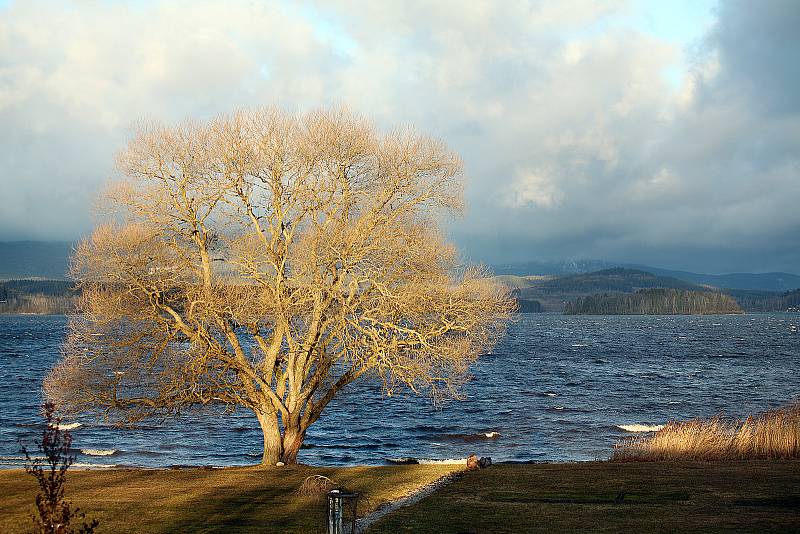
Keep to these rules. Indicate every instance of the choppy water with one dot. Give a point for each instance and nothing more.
(557, 388)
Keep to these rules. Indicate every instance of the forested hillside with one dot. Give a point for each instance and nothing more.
(617, 279)
(37, 296)
(554, 293)
(654, 302)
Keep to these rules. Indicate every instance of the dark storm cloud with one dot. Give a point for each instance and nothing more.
(759, 47)
(708, 181)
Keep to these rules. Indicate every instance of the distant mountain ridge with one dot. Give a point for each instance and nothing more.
(617, 279)
(778, 281)
(34, 259)
(552, 268)
(624, 290)
(753, 281)
(617, 290)
(50, 259)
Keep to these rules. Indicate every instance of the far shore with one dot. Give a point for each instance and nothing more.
(615, 496)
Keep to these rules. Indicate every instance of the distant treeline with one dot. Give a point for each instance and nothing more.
(766, 301)
(792, 300)
(59, 297)
(37, 296)
(654, 302)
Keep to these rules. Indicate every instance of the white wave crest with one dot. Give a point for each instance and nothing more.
(444, 461)
(93, 466)
(67, 426)
(98, 452)
(640, 428)
(18, 460)
(427, 461)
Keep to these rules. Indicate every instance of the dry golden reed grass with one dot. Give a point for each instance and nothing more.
(774, 434)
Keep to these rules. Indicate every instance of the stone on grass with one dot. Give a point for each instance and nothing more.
(472, 462)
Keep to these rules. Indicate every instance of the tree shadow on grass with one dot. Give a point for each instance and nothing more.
(270, 501)
(249, 507)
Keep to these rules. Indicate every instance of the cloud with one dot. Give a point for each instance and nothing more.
(533, 188)
(578, 140)
(75, 76)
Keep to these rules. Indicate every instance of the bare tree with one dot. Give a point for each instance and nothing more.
(266, 260)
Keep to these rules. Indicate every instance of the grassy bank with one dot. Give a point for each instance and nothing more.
(613, 497)
(252, 499)
(771, 435)
(596, 496)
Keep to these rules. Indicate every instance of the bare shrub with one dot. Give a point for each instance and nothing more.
(316, 486)
(54, 514)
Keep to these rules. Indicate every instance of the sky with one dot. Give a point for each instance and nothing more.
(653, 132)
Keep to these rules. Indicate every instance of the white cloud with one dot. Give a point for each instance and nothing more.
(533, 188)
(574, 139)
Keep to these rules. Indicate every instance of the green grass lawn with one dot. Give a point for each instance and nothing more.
(755, 496)
(252, 499)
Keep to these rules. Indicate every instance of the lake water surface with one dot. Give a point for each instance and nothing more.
(557, 388)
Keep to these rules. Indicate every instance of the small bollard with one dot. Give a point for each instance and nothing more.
(336, 502)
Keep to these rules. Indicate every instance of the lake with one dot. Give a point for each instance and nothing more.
(557, 388)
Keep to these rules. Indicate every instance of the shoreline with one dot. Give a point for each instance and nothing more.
(209, 467)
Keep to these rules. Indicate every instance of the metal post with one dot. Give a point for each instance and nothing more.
(334, 512)
(336, 504)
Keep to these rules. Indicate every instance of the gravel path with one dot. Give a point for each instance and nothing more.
(415, 496)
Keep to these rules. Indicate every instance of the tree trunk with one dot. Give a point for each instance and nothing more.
(273, 445)
(277, 447)
(292, 440)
